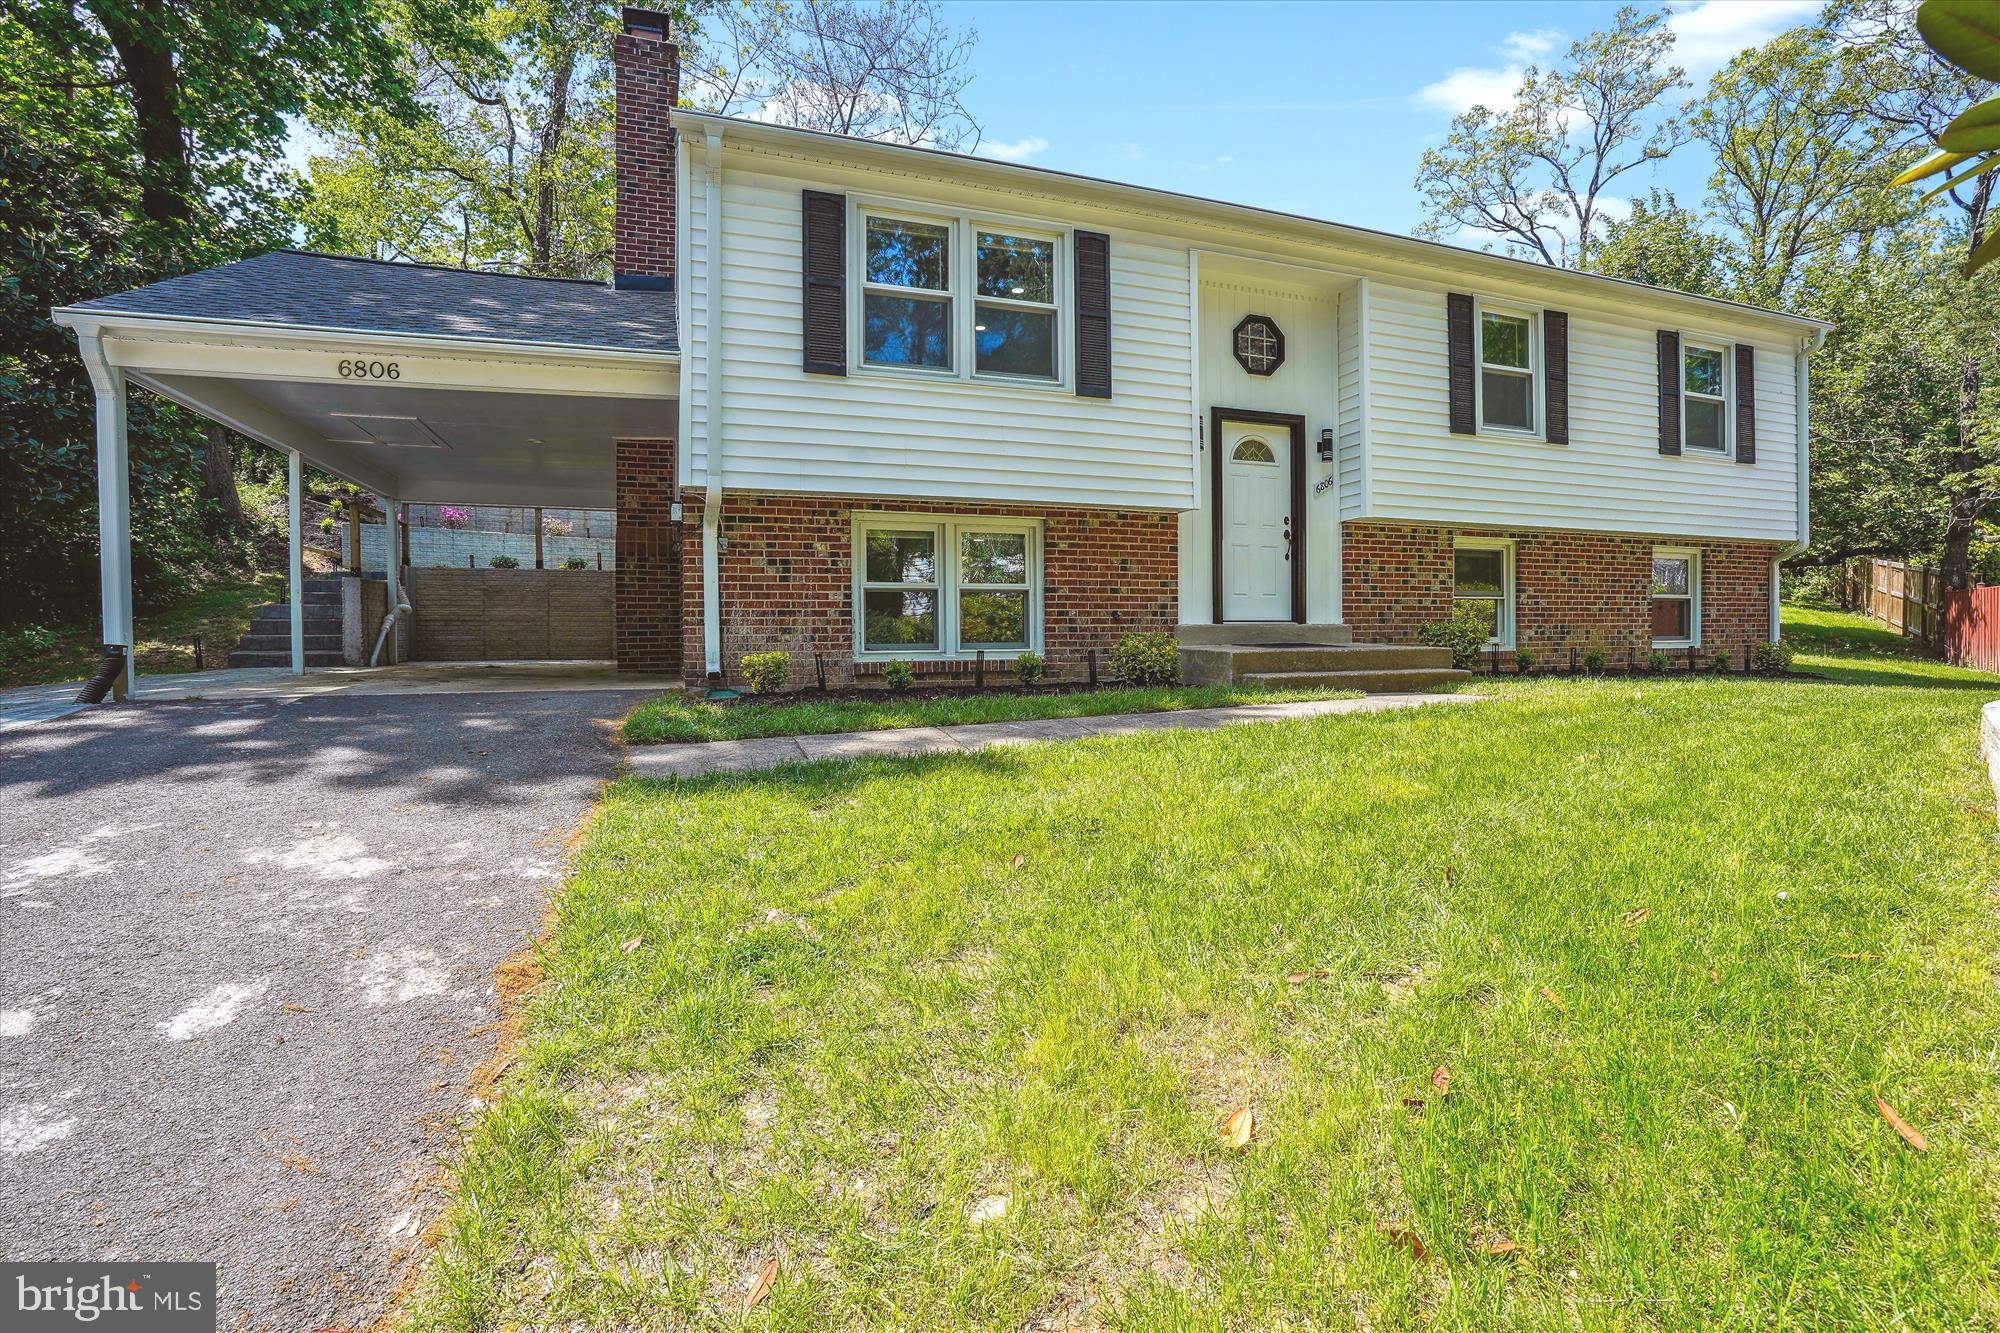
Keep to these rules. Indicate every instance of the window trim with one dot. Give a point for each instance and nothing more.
(949, 583)
(1509, 594)
(964, 298)
(1693, 556)
(1727, 350)
(1537, 376)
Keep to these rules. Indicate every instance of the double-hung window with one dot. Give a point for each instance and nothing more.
(1676, 598)
(926, 586)
(1509, 366)
(920, 311)
(1483, 580)
(1705, 390)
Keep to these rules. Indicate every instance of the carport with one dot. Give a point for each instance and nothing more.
(418, 384)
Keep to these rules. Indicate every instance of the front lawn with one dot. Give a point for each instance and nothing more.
(1608, 971)
(676, 717)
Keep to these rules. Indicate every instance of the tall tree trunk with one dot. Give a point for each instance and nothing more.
(138, 33)
(218, 474)
(547, 154)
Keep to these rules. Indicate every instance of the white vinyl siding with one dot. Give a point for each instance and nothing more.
(903, 434)
(1611, 476)
(1351, 435)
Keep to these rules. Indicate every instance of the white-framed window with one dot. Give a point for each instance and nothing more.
(961, 296)
(1482, 578)
(1510, 369)
(1708, 384)
(945, 586)
(1676, 608)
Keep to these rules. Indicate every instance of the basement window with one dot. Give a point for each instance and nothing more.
(1676, 598)
(1483, 580)
(927, 586)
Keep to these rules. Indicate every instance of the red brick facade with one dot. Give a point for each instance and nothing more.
(646, 592)
(648, 72)
(1571, 589)
(787, 576)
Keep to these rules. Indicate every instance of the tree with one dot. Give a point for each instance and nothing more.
(1535, 174)
(1665, 245)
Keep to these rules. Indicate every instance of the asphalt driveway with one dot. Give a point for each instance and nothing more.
(247, 954)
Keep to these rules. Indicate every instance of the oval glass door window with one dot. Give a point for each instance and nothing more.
(1250, 449)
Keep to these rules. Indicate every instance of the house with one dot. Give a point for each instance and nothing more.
(868, 402)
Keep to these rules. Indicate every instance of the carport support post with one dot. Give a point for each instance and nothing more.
(114, 509)
(394, 509)
(296, 568)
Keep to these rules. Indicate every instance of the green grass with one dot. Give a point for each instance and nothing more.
(219, 613)
(674, 717)
(852, 1016)
(1861, 651)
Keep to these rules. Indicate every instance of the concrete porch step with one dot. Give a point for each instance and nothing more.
(1371, 682)
(259, 658)
(258, 641)
(315, 604)
(1250, 632)
(1226, 663)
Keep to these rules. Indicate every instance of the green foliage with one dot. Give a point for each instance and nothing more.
(767, 673)
(898, 674)
(1028, 669)
(1658, 663)
(1525, 660)
(1720, 662)
(1594, 660)
(575, 562)
(504, 562)
(1465, 632)
(1146, 659)
(1774, 658)
(1663, 244)
(1966, 33)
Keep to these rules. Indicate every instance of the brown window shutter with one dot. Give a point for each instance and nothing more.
(1093, 314)
(1746, 403)
(1555, 373)
(1458, 338)
(1670, 392)
(823, 256)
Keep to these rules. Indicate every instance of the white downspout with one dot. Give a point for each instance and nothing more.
(1802, 461)
(399, 607)
(712, 434)
(295, 564)
(114, 507)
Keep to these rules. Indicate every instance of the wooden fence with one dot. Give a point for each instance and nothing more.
(1903, 596)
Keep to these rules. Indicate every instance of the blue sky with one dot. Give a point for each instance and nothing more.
(1320, 109)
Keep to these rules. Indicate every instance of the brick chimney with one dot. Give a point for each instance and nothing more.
(647, 66)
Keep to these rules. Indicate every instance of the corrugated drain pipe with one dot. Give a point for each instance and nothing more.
(109, 669)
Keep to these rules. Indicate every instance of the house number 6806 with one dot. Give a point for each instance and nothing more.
(370, 370)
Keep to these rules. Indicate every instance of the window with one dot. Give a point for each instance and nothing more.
(1250, 449)
(917, 311)
(1704, 397)
(1676, 599)
(946, 587)
(1259, 344)
(1483, 579)
(1507, 371)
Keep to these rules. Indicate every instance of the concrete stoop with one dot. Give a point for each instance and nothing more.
(1309, 656)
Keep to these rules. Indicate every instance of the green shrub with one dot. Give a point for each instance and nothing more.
(767, 673)
(1525, 660)
(1775, 658)
(1146, 659)
(1720, 663)
(898, 674)
(504, 562)
(574, 562)
(1594, 660)
(1465, 633)
(1028, 667)
(1657, 663)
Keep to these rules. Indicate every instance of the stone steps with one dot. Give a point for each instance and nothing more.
(1369, 682)
(268, 641)
(259, 658)
(1309, 656)
(281, 641)
(1256, 632)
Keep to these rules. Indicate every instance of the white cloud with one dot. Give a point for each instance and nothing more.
(1525, 46)
(1018, 151)
(1709, 33)
(1464, 89)
(1131, 152)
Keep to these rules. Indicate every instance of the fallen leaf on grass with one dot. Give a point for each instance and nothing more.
(1636, 915)
(1408, 1239)
(1860, 957)
(1019, 860)
(1900, 1125)
(761, 1288)
(1553, 999)
(629, 945)
(1441, 1080)
(989, 1209)
(1301, 978)
(1501, 1246)
(1714, 975)
(1238, 1127)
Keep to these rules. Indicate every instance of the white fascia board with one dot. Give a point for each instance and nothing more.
(1172, 206)
(97, 322)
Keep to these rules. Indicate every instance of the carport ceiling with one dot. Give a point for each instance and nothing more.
(456, 445)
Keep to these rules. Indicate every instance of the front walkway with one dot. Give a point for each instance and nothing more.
(691, 759)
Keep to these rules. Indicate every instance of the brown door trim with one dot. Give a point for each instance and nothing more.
(1297, 521)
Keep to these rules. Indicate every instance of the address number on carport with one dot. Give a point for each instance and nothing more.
(357, 369)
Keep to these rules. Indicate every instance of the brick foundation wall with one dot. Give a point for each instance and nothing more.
(1571, 589)
(787, 577)
(647, 589)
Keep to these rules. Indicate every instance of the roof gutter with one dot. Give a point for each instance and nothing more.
(82, 319)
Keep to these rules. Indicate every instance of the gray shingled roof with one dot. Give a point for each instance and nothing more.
(337, 292)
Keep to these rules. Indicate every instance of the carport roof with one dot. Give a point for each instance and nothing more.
(307, 290)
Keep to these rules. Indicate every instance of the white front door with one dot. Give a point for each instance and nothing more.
(1256, 504)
